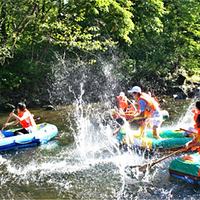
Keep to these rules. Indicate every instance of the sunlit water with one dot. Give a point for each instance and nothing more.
(83, 162)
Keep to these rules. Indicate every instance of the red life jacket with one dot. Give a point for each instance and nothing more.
(195, 119)
(29, 121)
(132, 108)
(152, 104)
(198, 140)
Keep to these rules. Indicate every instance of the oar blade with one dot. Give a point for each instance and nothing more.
(142, 168)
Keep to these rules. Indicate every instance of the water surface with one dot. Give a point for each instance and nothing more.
(82, 161)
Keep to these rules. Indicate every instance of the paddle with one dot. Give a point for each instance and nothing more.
(193, 133)
(144, 167)
(7, 120)
(1, 134)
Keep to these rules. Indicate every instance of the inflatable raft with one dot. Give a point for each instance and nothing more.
(186, 168)
(172, 140)
(44, 133)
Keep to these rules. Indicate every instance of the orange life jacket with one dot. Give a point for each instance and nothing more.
(29, 121)
(198, 140)
(130, 111)
(123, 103)
(195, 119)
(152, 104)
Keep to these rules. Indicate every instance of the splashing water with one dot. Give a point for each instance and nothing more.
(87, 128)
(186, 120)
(83, 162)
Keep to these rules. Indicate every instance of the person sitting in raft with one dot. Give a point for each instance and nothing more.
(193, 129)
(148, 108)
(123, 102)
(195, 143)
(196, 112)
(25, 118)
(125, 105)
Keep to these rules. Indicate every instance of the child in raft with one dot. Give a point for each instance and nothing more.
(195, 143)
(196, 112)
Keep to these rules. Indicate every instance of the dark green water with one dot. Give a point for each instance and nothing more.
(81, 162)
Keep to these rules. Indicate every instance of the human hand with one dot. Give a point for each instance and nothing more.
(130, 120)
(11, 114)
(191, 144)
(4, 125)
(186, 146)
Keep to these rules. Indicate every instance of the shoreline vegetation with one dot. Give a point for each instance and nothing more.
(52, 53)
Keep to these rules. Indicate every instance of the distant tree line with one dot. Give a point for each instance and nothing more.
(155, 40)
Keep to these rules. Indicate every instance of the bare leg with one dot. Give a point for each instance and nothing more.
(143, 130)
(18, 133)
(156, 133)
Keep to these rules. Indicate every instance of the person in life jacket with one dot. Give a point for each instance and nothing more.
(196, 112)
(126, 108)
(195, 143)
(25, 118)
(148, 108)
(123, 102)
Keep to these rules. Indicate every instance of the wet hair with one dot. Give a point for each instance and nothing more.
(198, 105)
(21, 106)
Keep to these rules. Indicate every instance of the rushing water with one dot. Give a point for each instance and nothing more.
(82, 161)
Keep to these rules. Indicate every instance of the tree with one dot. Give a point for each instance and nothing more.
(71, 24)
(165, 41)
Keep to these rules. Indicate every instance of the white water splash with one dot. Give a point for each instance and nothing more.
(187, 120)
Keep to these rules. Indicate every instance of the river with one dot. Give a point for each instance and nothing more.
(82, 162)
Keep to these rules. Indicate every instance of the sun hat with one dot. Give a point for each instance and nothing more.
(135, 89)
(122, 94)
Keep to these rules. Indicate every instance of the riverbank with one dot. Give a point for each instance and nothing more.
(47, 96)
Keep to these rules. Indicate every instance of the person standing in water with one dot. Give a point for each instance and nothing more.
(25, 118)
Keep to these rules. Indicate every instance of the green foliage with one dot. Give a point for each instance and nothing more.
(32, 30)
(165, 39)
(157, 37)
(75, 24)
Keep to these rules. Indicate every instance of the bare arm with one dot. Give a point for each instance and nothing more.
(141, 114)
(20, 118)
(11, 123)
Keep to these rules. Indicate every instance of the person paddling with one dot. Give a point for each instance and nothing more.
(148, 108)
(25, 118)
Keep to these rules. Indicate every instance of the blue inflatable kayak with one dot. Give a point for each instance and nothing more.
(44, 133)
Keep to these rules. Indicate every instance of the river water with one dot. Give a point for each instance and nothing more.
(82, 161)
